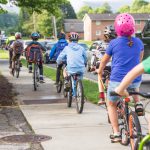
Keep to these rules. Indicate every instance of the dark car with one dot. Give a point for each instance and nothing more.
(48, 46)
(145, 37)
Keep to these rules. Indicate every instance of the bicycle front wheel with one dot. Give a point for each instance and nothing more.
(79, 97)
(134, 129)
(35, 77)
(59, 77)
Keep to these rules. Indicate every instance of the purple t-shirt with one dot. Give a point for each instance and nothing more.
(124, 58)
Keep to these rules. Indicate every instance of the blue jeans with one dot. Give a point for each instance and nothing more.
(112, 85)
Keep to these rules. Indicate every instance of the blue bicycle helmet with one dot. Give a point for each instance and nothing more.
(35, 36)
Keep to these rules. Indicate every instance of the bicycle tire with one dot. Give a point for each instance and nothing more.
(124, 132)
(69, 94)
(59, 86)
(17, 68)
(79, 97)
(64, 92)
(60, 81)
(35, 77)
(134, 125)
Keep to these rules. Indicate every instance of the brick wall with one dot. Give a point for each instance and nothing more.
(94, 30)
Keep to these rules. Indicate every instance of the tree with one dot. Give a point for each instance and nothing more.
(39, 5)
(1, 9)
(137, 4)
(124, 9)
(83, 10)
(68, 11)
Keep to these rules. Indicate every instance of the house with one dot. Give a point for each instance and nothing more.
(94, 24)
(74, 25)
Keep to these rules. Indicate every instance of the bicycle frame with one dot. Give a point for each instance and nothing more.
(144, 141)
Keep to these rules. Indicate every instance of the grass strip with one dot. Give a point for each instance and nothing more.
(90, 88)
(4, 54)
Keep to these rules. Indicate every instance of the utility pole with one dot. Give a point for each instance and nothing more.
(34, 24)
(54, 27)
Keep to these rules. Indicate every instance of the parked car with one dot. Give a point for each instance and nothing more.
(50, 45)
(145, 37)
(91, 51)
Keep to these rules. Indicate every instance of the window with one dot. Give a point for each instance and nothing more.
(98, 32)
(137, 22)
(98, 23)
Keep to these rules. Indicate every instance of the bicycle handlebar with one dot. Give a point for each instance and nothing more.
(145, 95)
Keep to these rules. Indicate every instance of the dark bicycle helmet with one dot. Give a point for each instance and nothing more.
(61, 35)
(18, 35)
(109, 32)
(35, 36)
(73, 36)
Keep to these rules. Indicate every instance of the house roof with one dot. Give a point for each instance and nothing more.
(73, 25)
(142, 16)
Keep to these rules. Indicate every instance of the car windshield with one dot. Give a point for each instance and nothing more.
(84, 46)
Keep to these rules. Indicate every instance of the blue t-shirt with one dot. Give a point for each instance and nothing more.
(124, 58)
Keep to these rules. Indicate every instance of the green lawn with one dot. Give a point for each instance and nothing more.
(90, 88)
(4, 54)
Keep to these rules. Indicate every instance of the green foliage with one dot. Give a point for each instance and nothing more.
(138, 6)
(124, 9)
(40, 5)
(83, 10)
(68, 11)
(8, 22)
(105, 8)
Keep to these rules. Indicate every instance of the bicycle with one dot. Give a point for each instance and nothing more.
(76, 91)
(128, 120)
(60, 83)
(143, 142)
(36, 75)
(16, 67)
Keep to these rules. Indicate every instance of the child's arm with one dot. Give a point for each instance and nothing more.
(103, 63)
(136, 71)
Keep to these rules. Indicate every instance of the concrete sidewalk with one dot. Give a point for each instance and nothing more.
(47, 113)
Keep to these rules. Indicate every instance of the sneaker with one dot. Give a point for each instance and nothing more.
(66, 85)
(115, 138)
(41, 80)
(30, 71)
(139, 109)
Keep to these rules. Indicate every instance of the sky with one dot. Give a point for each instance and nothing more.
(115, 4)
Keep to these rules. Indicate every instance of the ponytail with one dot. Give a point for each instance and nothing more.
(130, 43)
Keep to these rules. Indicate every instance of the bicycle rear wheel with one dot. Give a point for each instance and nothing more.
(79, 97)
(35, 77)
(69, 94)
(17, 68)
(134, 129)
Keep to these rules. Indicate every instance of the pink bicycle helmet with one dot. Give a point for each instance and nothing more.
(124, 25)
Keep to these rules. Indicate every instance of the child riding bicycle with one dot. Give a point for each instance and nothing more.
(109, 34)
(126, 52)
(17, 49)
(56, 50)
(33, 47)
(75, 56)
